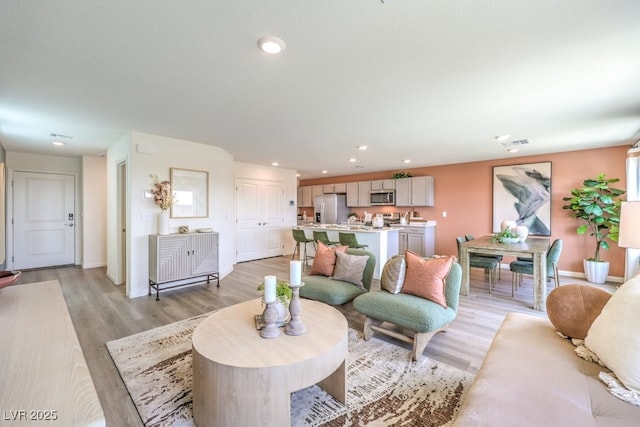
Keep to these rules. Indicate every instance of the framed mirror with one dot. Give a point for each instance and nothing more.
(191, 188)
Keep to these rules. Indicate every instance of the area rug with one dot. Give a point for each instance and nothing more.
(384, 387)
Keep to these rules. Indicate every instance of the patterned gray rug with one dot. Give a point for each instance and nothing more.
(384, 388)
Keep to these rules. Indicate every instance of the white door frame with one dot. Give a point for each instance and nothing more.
(9, 218)
(121, 224)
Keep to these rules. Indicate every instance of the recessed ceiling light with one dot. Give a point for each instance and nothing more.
(352, 160)
(274, 164)
(271, 45)
(512, 150)
(325, 171)
(58, 143)
(406, 161)
(502, 137)
(362, 147)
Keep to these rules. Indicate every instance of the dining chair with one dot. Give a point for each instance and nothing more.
(469, 237)
(488, 264)
(321, 236)
(350, 239)
(301, 238)
(519, 267)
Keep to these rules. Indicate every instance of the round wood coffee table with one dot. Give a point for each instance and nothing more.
(241, 379)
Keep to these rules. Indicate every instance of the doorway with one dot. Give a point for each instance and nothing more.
(122, 227)
(260, 218)
(44, 219)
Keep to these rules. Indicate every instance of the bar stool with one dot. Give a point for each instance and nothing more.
(300, 237)
(321, 236)
(350, 239)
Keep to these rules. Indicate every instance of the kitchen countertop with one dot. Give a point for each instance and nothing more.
(354, 228)
(416, 224)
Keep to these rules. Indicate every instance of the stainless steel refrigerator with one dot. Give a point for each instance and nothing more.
(330, 208)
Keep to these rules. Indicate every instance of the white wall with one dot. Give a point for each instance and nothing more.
(166, 153)
(289, 179)
(94, 212)
(48, 164)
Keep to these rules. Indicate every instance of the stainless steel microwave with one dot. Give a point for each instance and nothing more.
(382, 197)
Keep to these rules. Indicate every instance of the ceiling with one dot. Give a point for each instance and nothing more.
(430, 81)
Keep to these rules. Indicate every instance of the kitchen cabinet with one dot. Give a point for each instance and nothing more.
(334, 188)
(415, 191)
(316, 190)
(181, 257)
(383, 184)
(419, 239)
(307, 197)
(364, 193)
(358, 193)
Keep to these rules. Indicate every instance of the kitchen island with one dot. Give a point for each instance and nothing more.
(382, 242)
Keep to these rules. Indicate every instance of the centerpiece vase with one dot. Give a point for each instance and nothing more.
(163, 223)
(283, 311)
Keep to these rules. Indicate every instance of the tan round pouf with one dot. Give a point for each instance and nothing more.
(572, 308)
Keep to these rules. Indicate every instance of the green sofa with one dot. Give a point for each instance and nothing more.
(337, 292)
(421, 317)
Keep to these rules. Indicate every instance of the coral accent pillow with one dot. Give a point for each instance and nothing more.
(615, 334)
(325, 260)
(350, 268)
(393, 274)
(426, 277)
(573, 308)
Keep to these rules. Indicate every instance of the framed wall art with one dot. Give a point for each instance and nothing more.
(522, 193)
(192, 193)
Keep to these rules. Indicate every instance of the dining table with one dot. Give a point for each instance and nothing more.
(534, 247)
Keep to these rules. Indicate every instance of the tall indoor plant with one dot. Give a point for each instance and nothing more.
(597, 204)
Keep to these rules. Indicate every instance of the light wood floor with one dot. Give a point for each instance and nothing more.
(101, 312)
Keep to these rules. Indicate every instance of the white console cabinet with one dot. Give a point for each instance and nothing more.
(182, 259)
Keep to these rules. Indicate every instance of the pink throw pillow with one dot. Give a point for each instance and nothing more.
(325, 260)
(426, 277)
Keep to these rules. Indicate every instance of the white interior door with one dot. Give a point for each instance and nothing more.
(259, 207)
(43, 220)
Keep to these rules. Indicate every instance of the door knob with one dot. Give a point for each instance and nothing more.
(69, 225)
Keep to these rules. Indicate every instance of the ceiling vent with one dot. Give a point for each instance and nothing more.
(60, 136)
(515, 143)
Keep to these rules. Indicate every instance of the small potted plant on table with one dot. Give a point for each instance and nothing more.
(283, 298)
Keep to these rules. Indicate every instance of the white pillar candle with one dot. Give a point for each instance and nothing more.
(269, 288)
(295, 272)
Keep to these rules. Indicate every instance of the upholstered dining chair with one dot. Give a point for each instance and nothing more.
(301, 239)
(488, 264)
(519, 267)
(350, 239)
(498, 257)
(321, 236)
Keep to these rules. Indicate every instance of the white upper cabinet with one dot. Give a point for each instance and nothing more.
(383, 184)
(358, 193)
(416, 191)
(403, 192)
(334, 188)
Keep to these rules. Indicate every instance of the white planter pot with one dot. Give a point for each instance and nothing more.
(522, 232)
(283, 311)
(163, 223)
(596, 272)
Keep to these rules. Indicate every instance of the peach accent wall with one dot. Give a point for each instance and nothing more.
(465, 191)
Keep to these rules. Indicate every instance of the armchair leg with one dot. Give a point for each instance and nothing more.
(421, 339)
(368, 330)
